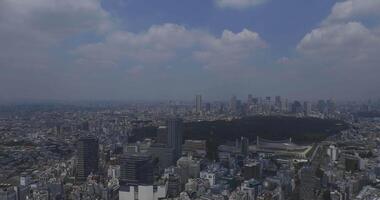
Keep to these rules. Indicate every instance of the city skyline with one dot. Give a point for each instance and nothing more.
(150, 50)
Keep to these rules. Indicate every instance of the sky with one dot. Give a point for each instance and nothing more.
(175, 49)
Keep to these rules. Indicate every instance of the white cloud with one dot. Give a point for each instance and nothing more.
(353, 9)
(158, 45)
(231, 50)
(30, 29)
(341, 55)
(345, 41)
(170, 43)
(238, 4)
(42, 54)
(343, 36)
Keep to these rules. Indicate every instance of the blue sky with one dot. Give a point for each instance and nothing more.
(171, 49)
(281, 23)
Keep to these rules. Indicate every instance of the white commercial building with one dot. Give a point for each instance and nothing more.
(141, 192)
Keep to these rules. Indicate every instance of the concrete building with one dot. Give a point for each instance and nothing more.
(198, 103)
(175, 136)
(87, 157)
(136, 169)
(143, 192)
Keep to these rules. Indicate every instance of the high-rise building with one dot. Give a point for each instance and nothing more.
(175, 136)
(331, 107)
(309, 183)
(174, 186)
(198, 103)
(250, 99)
(233, 104)
(278, 102)
(207, 107)
(252, 170)
(307, 108)
(322, 106)
(188, 168)
(268, 100)
(136, 169)
(242, 145)
(87, 157)
(296, 107)
(162, 135)
(163, 154)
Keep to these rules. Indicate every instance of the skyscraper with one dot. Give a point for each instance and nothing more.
(331, 107)
(207, 107)
(136, 169)
(278, 102)
(250, 99)
(322, 106)
(233, 104)
(87, 157)
(307, 108)
(162, 135)
(175, 136)
(296, 107)
(198, 103)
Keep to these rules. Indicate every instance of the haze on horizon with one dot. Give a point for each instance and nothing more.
(156, 50)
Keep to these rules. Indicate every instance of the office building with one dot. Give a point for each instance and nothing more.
(250, 99)
(252, 170)
(331, 107)
(136, 169)
(162, 135)
(162, 153)
(87, 157)
(198, 103)
(174, 186)
(233, 104)
(175, 136)
(196, 148)
(322, 107)
(278, 102)
(207, 107)
(307, 108)
(296, 107)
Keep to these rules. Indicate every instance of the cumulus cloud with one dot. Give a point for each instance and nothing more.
(231, 50)
(30, 29)
(166, 44)
(238, 4)
(353, 9)
(343, 41)
(43, 54)
(344, 49)
(157, 45)
(343, 35)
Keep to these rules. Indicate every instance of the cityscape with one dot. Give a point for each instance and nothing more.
(152, 151)
(189, 100)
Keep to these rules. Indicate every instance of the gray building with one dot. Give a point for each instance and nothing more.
(175, 136)
(136, 169)
(87, 157)
(198, 103)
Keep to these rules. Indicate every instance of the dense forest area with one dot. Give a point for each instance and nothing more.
(369, 114)
(301, 130)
